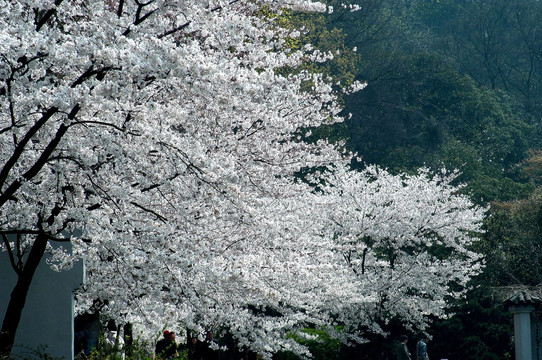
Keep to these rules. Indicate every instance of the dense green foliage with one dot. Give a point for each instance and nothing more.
(320, 344)
(428, 114)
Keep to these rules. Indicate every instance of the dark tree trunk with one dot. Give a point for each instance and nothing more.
(17, 301)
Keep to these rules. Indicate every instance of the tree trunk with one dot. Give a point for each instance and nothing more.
(17, 301)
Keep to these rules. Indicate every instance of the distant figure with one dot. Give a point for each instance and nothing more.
(194, 348)
(402, 350)
(87, 333)
(113, 341)
(166, 348)
(421, 348)
(207, 352)
(80, 344)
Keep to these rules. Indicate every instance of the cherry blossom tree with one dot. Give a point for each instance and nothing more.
(161, 130)
(159, 140)
(405, 239)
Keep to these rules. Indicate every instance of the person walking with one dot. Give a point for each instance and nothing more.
(421, 348)
(402, 350)
(194, 348)
(166, 348)
(114, 342)
(209, 350)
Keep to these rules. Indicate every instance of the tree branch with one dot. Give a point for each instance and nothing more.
(100, 74)
(42, 160)
(40, 21)
(180, 27)
(139, 19)
(103, 123)
(14, 265)
(20, 147)
(119, 9)
(160, 217)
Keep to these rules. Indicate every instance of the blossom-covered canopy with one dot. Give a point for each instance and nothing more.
(163, 131)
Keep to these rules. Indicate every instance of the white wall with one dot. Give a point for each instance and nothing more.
(47, 317)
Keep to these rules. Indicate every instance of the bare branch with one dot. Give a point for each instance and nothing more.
(14, 265)
(91, 71)
(139, 19)
(103, 123)
(43, 158)
(119, 10)
(41, 19)
(160, 217)
(174, 30)
(20, 147)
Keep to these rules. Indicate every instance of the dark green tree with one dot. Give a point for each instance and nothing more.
(427, 113)
(497, 43)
